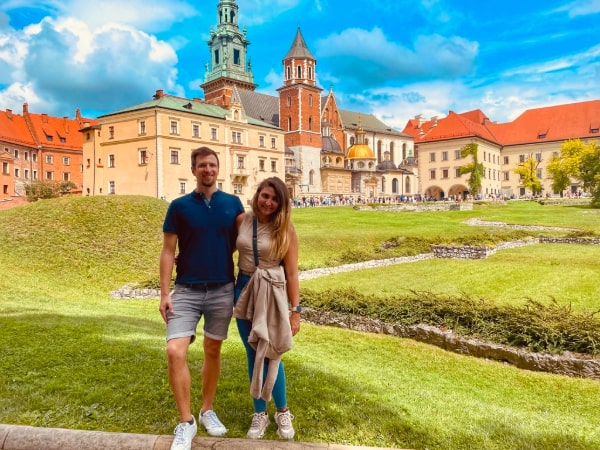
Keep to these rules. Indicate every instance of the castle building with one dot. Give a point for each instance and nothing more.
(537, 133)
(38, 147)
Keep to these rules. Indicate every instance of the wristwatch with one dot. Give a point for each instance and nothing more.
(298, 308)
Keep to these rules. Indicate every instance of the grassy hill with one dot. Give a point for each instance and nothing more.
(73, 357)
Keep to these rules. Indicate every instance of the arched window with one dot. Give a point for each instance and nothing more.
(310, 73)
(404, 151)
(310, 101)
(392, 156)
(289, 124)
(395, 186)
(310, 124)
(288, 73)
(407, 185)
(311, 177)
(382, 185)
(289, 101)
(379, 151)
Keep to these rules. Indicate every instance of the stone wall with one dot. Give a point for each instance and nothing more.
(418, 207)
(566, 364)
(462, 251)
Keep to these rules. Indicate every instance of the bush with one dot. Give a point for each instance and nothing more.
(550, 328)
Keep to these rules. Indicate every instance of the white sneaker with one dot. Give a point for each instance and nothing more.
(184, 433)
(211, 422)
(285, 429)
(260, 422)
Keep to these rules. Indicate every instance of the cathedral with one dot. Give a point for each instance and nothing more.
(330, 151)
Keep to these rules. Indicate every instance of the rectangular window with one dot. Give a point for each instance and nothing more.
(34, 175)
(261, 141)
(143, 157)
(432, 174)
(273, 166)
(66, 176)
(112, 187)
(236, 137)
(261, 165)
(34, 157)
(16, 154)
(538, 172)
(5, 189)
(66, 161)
(237, 188)
(26, 156)
(538, 157)
(142, 127)
(17, 172)
(240, 164)
(273, 142)
(484, 156)
(457, 173)
(49, 175)
(445, 173)
(49, 159)
(444, 156)
(174, 127)
(506, 175)
(27, 174)
(111, 160)
(174, 156)
(5, 168)
(432, 157)
(111, 132)
(195, 130)
(182, 187)
(457, 154)
(521, 158)
(506, 160)
(213, 134)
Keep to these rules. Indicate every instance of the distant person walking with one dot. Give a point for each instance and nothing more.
(202, 225)
(266, 290)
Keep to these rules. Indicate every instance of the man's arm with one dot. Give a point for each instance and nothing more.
(167, 261)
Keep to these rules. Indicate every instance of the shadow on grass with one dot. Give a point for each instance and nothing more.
(109, 373)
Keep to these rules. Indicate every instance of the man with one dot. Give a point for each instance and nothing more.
(202, 225)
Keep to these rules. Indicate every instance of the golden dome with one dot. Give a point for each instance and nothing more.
(360, 151)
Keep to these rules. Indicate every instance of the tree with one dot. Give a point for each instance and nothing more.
(475, 168)
(578, 161)
(41, 189)
(528, 172)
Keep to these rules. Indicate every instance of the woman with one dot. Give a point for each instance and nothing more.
(277, 246)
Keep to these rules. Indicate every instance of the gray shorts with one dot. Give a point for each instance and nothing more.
(189, 305)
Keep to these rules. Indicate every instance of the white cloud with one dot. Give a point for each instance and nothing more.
(66, 62)
(583, 8)
(256, 12)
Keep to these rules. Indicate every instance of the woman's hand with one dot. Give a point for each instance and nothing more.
(295, 322)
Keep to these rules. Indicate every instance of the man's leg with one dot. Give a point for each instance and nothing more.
(211, 369)
(179, 376)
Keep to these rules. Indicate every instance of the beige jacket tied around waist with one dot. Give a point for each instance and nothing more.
(264, 302)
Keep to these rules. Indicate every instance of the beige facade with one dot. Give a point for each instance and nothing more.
(439, 168)
(145, 150)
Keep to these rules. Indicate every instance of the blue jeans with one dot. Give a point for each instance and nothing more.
(244, 327)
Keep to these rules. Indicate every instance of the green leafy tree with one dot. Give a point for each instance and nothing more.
(578, 161)
(527, 170)
(41, 189)
(475, 168)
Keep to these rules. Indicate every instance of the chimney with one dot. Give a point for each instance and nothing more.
(44, 118)
(434, 121)
(9, 113)
(420, 120)
(25, 108)
(159, 94)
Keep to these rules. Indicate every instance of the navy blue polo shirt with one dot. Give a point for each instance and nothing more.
(206, 236)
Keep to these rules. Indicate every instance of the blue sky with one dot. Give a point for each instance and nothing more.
(393, 58)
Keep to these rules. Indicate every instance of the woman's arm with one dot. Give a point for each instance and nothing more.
(290, 262)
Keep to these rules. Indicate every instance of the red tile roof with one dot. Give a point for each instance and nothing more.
(552, 123)
(13, 128)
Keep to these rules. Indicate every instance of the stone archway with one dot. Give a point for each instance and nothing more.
(434, 192)
(458, 190)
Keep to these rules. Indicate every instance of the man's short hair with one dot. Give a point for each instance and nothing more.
(203, 151)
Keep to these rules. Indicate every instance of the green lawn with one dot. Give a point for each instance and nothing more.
(74, 357)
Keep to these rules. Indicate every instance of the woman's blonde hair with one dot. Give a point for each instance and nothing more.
(281, 219)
